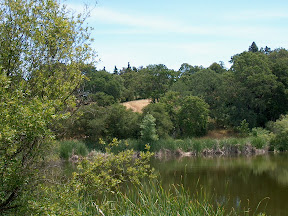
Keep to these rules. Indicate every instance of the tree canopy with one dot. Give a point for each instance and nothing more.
(42, 48)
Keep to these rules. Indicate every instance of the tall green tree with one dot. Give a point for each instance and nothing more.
(193, 116)
(163, 122)
(42, 48)
(158, 79)
(218, 68)
(253, 47)
(102, 81)
(115, 70)
(250, 88)
(187, 69)
(279, 67)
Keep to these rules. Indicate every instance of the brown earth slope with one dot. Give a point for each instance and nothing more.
(137, 105)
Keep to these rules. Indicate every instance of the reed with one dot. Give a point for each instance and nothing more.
(151, 198)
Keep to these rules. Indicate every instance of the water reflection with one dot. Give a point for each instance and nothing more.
(258, 183)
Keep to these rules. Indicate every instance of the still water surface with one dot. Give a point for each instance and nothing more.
(239, 182)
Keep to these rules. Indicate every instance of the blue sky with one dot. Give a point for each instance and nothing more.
(175, 32)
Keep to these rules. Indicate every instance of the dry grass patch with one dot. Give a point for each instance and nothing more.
(137, 105)
(219, 134)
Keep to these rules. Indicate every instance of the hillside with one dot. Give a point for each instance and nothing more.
(137, 105)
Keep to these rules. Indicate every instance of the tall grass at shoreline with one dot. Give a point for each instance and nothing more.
(150, 198)
(194, 144)
(153, 199)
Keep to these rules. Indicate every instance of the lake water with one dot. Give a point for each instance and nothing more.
(238, 182)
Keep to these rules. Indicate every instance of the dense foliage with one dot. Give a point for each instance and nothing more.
(254, 89)
(42, 48)
(50, 89)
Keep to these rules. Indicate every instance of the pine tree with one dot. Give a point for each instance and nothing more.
(115, 70)
(253, 47)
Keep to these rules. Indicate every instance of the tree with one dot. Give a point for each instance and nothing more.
(218, 68)
(42, 48)
(279, 66)
(267, 50)
(102, 81)
(148, 129)
(95, 122)
(280, 129)
(186, 69)
(172, 101)
(250, 89)
(158, 79)
(162, 119)
(193, 116)
(253, 47)
(206, 84)
(115, 70)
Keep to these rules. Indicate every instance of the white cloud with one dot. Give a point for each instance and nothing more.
(256, 15)
(153, 24)
(221, 40)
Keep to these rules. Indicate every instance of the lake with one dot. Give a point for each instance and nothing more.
(238, 182)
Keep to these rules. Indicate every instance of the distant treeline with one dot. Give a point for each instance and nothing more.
(186, 102)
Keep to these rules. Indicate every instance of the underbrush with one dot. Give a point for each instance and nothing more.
(148, 198)
(69, 147)
(110, 185)
(195, 144)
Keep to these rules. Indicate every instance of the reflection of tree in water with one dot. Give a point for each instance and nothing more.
(273, 165)
(234, 182)
(281, 176)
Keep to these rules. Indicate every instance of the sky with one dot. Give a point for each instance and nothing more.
(172, 32)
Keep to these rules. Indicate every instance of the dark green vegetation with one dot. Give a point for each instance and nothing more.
(187, 103)
(50, 89)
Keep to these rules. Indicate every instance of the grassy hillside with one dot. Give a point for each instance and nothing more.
(137, 105)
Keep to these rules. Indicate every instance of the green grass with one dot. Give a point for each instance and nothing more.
(152, 199)
(194, 144)
(69, 147)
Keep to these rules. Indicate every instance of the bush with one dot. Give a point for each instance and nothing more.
(260, 137)
(258, 142)
(95, 122)
(163, 122)
(243, 128)
(93, 183)
(148, 129)
(193, 116)
(280, 129)
(69, 147)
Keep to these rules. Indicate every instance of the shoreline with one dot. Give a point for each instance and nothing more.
(235, 150)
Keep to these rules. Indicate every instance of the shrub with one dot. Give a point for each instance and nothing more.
(260, 137)
(162, 119)
(193, 116)
(243, 128)
(148, 129)
(93, 183)
(280, 129)
(258, 142)
(197, 145)
(105, 122)
(70, 147)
